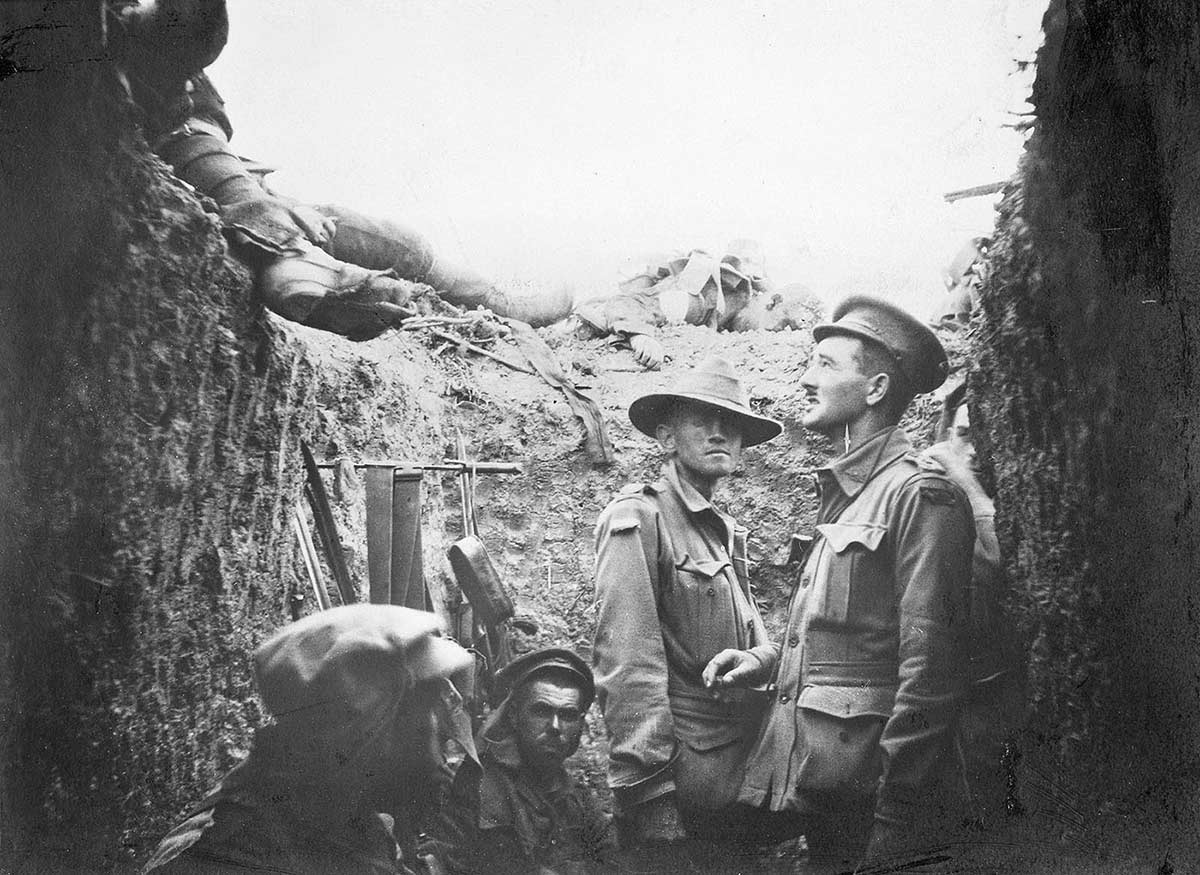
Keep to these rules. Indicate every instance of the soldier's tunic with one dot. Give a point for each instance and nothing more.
(672, 591)
(499, 819)
(872, 665)
(261, 817)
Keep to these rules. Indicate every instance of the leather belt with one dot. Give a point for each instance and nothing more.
(689, 700)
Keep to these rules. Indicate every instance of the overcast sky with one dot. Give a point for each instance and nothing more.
(554, 141)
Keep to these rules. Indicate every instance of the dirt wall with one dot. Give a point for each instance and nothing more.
(151, 419)
(1086, 379)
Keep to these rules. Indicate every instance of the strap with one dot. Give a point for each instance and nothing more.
(394, 563)
(541, 358)
(407, 568)
(378, 482)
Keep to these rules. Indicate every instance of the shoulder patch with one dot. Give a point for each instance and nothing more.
(624, 522)
(927, 463)
(936, 493)
(625, 512)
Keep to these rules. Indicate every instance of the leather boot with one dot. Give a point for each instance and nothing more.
(316, 289)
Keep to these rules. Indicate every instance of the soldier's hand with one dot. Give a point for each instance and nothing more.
(647, 351)
(956, 466)
(316, 226)
(959, 470)
(730, 668)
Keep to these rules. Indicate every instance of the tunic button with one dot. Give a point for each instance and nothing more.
(794, 641)
(711, 591)
(783, 700)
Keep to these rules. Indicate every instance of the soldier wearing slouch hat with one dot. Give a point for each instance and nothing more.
(672, 591)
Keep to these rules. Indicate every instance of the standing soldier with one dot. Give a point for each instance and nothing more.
(872, 667)
(672, 591)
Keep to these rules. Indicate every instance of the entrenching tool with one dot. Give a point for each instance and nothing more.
(478, 580)
(473, 568)
(490, 604)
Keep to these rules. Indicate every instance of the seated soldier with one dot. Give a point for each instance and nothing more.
(324, 266)
(363, 711)
(518, 810)
(696, 289)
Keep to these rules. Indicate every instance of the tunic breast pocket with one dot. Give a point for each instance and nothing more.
(704, 603)
(852, 548)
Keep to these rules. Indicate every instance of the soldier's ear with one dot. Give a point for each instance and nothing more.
(877, 388)
(666, 436)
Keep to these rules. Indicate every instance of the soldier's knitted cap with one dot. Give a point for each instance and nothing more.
(916, 349)
(528, 666)
(711, 382)
(339, 664)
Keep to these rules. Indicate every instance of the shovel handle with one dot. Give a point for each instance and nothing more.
(483, 467)
(460, 449)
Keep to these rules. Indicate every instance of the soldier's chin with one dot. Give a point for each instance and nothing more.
(719, 463)
(554, 754)
(811, 419)
(554, 751)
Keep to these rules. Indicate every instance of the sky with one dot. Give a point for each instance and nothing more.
(545, 143)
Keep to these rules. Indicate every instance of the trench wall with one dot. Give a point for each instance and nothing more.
(1086, 378)
(151, 416)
